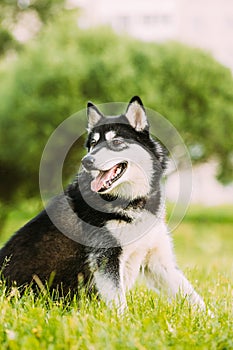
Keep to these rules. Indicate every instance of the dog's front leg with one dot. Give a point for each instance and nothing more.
(110, 289)
(161, 271)
(158, 277)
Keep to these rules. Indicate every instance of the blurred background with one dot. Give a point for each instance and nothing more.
(177, 55)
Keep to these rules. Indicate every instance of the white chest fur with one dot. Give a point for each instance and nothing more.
(147, 235)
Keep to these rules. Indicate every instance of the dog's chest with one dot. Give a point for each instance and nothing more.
(137, 240)
(141, 232)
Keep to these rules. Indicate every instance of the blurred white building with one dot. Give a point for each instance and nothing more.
(206, 190)
(207, 24)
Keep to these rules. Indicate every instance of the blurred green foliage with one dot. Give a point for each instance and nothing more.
(64, 67)
(7, 41)
(11, 12)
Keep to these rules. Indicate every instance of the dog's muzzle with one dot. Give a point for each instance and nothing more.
(88, 162)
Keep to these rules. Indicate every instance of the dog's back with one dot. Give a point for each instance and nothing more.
(40, 252)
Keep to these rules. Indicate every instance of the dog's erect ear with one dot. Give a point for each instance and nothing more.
(136, 114)
(93, 115)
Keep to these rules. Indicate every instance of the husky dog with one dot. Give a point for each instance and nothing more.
(109, 225)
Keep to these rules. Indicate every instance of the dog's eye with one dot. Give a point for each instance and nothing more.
(93, 143)
(117, 142)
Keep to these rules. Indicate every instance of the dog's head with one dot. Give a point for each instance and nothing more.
(122, 158)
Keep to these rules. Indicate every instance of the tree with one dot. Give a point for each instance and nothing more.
(12, 14)
(65, 67)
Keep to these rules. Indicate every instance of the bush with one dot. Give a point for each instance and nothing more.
(65, 67)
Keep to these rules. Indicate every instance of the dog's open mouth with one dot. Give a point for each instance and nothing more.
(105, 179)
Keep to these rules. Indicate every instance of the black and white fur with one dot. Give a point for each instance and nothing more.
(108, 226)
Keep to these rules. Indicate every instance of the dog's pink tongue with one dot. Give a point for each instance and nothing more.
(102, 178)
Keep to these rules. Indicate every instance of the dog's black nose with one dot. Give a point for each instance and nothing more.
(88, 162)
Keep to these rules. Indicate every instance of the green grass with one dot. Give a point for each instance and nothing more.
(204, 251)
